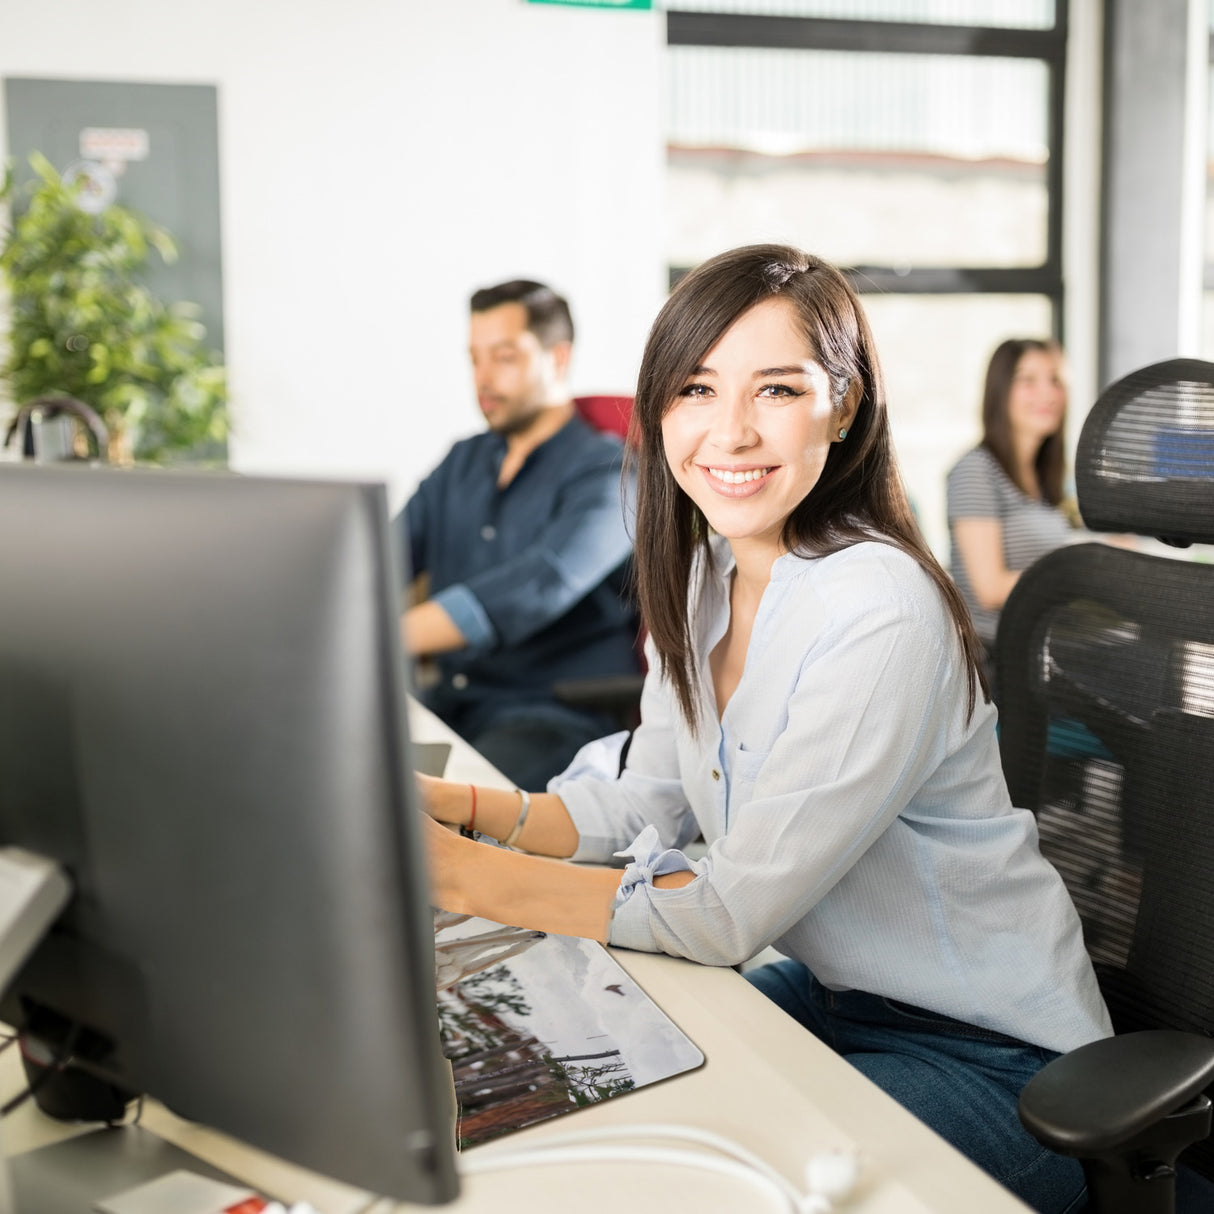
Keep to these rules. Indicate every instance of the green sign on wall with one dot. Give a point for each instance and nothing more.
(598, 3)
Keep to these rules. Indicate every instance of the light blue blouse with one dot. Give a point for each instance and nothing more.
(855, 818)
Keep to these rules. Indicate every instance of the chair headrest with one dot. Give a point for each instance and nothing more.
(1145, 460)
(610, 414)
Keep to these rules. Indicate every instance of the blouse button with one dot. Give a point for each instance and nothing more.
(488, 531)
(716, 775)
(459, 681)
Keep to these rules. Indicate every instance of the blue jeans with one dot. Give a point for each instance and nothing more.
(960, 1080)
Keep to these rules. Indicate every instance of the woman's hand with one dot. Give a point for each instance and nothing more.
(427, 787)
(470, 878)
(445, 861)
(444, 800)
(549, 829)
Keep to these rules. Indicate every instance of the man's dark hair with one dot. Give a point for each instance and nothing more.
(548, 315)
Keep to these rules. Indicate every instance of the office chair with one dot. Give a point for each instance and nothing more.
(611, 414)
(1115, 648)
(614, 696)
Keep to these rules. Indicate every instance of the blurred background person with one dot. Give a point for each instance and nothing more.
(1005, 497)
(522, 536)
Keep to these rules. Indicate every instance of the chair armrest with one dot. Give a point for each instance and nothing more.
(607, 693)
(1103, 1094)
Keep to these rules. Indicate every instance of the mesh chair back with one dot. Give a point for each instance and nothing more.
(1145, 461)
(1106, 669)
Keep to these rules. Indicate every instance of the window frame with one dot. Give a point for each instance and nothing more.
(1207, 278)
(1048, 45)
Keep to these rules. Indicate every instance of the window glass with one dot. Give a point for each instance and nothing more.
(933, 351)
(1207, 299)
(1009, 14)
(1207, 309)
(867, 159)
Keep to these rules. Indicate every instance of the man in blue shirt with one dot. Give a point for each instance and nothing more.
(521, 531)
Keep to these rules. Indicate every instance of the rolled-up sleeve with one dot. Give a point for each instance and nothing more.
(468, 616)
(648, 858)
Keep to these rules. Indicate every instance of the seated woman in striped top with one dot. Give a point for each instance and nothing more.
(1005, 496)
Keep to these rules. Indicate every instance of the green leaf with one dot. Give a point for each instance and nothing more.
(83, 322)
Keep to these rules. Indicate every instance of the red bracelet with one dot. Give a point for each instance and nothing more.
(472, 816)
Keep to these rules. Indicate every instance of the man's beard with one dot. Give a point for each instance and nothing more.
(516, 424)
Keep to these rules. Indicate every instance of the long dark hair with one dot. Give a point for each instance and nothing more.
(859, 495)
(1050, 463)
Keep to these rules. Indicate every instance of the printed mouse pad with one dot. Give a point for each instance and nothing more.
(537, 1025)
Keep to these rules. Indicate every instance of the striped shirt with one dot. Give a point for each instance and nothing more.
(856, 817)
(979, 488)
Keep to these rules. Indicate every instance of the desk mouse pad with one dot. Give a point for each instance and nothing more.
(537, 1025)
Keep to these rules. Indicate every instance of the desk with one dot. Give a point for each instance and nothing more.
(767, 1084)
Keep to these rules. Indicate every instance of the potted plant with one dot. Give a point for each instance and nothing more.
(82, 325)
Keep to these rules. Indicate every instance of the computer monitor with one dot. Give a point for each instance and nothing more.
(203, 720)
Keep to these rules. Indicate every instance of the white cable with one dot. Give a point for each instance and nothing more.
(639, 1154)
(707, 1138)
(831, 1177)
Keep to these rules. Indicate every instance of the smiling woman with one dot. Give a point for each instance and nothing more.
(746, 439)
(747, 436)
(793, 329)
(813, 711)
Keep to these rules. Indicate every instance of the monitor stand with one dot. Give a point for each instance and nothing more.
(67, 1177)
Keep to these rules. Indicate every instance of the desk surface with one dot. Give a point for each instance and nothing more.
(767, 1084)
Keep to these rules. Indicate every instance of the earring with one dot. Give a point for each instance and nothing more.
(842, 433)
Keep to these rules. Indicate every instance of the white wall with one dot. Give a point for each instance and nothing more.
(379, 160)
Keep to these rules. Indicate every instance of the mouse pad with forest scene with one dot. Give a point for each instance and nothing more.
(537, 1025)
